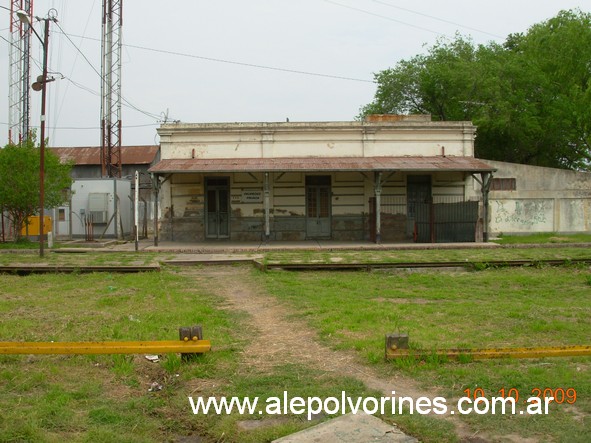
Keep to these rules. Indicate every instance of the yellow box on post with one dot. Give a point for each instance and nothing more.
(33, 226)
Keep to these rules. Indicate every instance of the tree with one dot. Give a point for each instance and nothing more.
(529, 97)
(19, 182)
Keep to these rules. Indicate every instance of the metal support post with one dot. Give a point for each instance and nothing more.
(155, 189)
(486, 181)
(267, 208)
(378, 193)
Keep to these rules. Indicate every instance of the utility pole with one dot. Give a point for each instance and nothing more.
(41, 85)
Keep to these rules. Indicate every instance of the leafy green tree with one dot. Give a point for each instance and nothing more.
(529, 97)
(19, 182)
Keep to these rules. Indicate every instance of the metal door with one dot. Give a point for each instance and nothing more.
(418, 204)
(318, 220)
(217, 203)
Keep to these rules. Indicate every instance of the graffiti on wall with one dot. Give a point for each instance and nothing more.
(525, 213)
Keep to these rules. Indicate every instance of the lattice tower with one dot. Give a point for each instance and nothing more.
(19, 75)
(111, 88)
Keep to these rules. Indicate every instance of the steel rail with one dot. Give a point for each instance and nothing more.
(425, 265)
(106, 347)
(70, 269)
(490, 353)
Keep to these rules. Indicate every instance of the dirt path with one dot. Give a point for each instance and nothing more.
(289, 340)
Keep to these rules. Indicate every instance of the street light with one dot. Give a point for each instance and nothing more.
(39, 85)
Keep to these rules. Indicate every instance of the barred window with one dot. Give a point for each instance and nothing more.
(503, 184)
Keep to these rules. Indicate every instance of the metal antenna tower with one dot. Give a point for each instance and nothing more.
(19, 75)
(111, 88)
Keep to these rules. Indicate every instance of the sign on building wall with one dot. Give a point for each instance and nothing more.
(252, 196)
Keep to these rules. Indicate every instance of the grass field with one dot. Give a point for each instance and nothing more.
(430, 255)
(106, 398)
(543, 238)
(491, 308)
(102, 398)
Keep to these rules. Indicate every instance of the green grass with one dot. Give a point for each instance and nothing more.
(23, 243)
(106, 398)
(491, 308)
(51, 398)
(550, 237)
(103, 257)
(428, 255)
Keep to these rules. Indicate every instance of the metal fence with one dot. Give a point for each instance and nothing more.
(446, 222)
(442, 219)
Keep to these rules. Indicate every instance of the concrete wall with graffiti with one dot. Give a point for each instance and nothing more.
(536, 199)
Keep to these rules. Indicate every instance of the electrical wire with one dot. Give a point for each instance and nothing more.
(149, 114)
(58, 108)
(93, 92)
(384, 17)
(234, 62)
(436, 18)
(250, 65)
(89, 127)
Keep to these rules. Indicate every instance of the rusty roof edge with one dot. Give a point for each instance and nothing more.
(419, 164)
(90, 155)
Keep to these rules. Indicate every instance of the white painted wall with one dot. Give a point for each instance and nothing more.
(81, 188)
(545, 200)
(326, 139)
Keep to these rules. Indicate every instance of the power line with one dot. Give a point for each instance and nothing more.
(93, 92)
(435, 18)
(384, 17)
(85, 128)
(234, 62)
(149, 114)
(251, 65)
(59, 107)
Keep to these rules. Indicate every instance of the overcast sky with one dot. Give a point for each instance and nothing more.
(234, 60)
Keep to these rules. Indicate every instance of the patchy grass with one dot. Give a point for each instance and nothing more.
(550, 237)
(107, 398)
(52, 398)
(103, 257)
(495, 307)
(22, 243)
(428, 255)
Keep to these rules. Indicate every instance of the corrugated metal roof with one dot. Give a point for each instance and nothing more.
(130, 155)
(426, 164)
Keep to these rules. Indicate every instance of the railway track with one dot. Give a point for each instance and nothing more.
(468, 265)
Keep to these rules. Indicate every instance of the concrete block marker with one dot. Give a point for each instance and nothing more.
(350, 428)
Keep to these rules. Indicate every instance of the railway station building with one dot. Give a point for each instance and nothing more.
(388, 178)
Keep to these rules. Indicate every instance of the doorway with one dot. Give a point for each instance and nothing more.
(418, 206)
(318, 219)
(217, 204)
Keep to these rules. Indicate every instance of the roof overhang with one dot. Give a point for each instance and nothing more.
(91, 155)
(322, 164)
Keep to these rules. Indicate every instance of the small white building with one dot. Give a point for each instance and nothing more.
(98, 208)
(388, 178)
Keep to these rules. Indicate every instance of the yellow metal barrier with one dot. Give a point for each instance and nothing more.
(484, 353)
(106, 347)
(397, 347)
